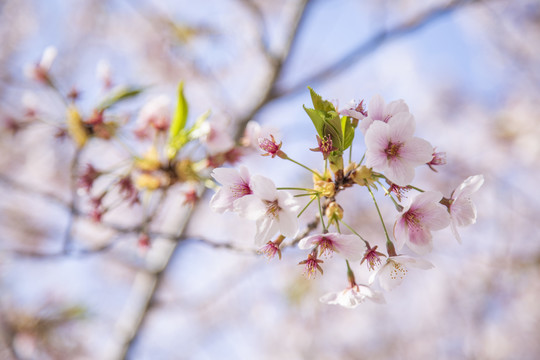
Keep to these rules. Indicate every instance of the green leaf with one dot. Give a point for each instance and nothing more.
(333, 128)
(119, 94)
(320, 104)
(180, 113)
(348, 132)
(184, 136)
(317, 117)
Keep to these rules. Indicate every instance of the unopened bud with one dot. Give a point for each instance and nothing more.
(325, 188)
(334, 212)
(149, 161)
(76, 128)
(147, 182)
(364, 176)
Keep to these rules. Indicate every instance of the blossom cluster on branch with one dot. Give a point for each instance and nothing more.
(392, 153)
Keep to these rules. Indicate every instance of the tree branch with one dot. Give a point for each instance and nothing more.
(371, 45)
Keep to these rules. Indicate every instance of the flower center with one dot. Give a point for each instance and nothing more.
(412, 220)
(398, 271)
(392, 150)
(239, 190)
(272, 208)
(326, 247)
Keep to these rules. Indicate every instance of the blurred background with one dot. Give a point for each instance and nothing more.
(470, 74)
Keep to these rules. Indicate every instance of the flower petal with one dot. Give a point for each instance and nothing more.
(376, 107)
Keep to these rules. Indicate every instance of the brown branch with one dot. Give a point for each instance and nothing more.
(371, 45)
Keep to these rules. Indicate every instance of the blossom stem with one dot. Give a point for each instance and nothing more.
(415, 188)
(295, 188)
(355, 233)
(362, 159)
(321, 213)
(305, 207)
(302, 165)
(350, 274)
(398, 206)
(389, 243)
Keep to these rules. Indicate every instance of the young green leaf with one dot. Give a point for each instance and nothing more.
(180, 113)
(119, 94)
(317, 117)
(320, 104)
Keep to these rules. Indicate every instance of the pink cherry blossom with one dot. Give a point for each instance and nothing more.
(462, 210)
(236, 184)
(379, 111)
(348, 246)
(392, 273)
(254, 131)
(272, 210)
(414, 225)
(154, 114)
(215, 135)
(352, 296)
(392, 149)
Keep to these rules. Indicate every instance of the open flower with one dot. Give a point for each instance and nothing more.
(414, 225)
(392, 149)
(235, 185)
(348, 246)
(154, 114)
(273, 210)
(462, 210)
(379, 111)
(352, 296)
(392, 273)
(215, 136)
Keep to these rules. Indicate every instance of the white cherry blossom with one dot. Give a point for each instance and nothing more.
(413, 227)
(236, 184)
(392, 149)
(462, 209)
(274, 211)
(353, 296)
(394, 270)
(348, 246)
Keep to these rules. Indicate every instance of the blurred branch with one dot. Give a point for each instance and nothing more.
(147, 281)
(371, 45)
(7, 181)
(277, 67)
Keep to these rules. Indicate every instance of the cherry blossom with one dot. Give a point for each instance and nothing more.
(273, 210)
(348, 246)
(379, 111)
(215, 135)
(394, 270)
(462, 209)
(154, 114)
(236, 184)
(415, 223)
(254, 131)
(40, 71)
(392, 149)
(351, 297)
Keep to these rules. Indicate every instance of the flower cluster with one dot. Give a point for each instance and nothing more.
(162, 149)
(391, 156)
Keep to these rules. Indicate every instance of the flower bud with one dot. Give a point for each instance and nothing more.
(364, 176)
(76, 128)
(147, 182)
(325, 188)
(334, 212)
(150, 160)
